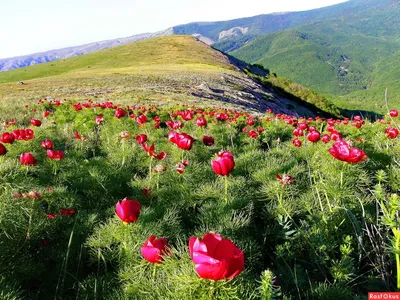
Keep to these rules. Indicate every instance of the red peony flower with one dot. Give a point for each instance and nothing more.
(141, 138)
(182, 140)
(250, 122)
(23, 134)
(99, 119)
(313, 136)
(285, 179)
(174, 124)
(208, 140)
(27, 159)
(298, 132)
(119, 113)
(201, 121)
(55, 154)
(78, 136)
(180, 168)
(394, 113)
(141, 119)
(67, 212)
(392, 132)
(216, 258)
(342, 151)
(154, 248)
(46, 114)
(336, 136)
(128, 210)
(325, 138)
(3, 149)
(187, 115)
(36, 122)
(296, 142)
(47, 144)
(7, 138)
(253, 134)
(51, 216)
(224, 164)
(146, 191)
(303, 126)
(151, 152)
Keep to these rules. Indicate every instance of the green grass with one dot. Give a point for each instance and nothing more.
(158, 70)
(351, 58)
(325, 236)
(132, 58)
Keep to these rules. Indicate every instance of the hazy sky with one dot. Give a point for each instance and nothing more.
(29, 26)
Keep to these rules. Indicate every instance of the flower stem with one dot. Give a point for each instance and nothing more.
(280, 201)
(55, 169)
(212, 289)
(123, 153)
(151, 160)
(154, 271)
(158, 181)
(28, 231)
(341, 178)
(226, 189)
(397, 245)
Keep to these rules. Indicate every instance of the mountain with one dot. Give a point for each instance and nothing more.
(347, 52)
(163, 70)
(235, 31)
(354, 55)
(48, 56)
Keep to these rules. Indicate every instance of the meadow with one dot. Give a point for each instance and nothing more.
(107, 201)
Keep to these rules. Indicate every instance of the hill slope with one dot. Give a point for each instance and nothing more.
(338, 56)
(7, 64)
(174, 69)
(236, 32)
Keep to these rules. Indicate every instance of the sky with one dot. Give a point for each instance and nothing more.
(30, 26)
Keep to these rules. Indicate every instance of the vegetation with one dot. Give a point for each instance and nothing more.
(295, 91)
(309, 224)
(353, 57)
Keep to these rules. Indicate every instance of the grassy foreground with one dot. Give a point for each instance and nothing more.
(310, 225)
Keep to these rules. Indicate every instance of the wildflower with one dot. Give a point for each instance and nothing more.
(128, 210)
(313, 136)
(285, 179)
(208, 140)
(119, 113)
(216, 258)
(154, 248)
(27, 159)
(47, 144)
(296, 142)
(7, 138)
(55, 154)
(342, 151)
(201, 121)
(3, 149)
(36, 122)
(392, 132)
(224, 164)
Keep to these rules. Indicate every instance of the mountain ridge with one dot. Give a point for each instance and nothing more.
(259, 24)
(169, 69)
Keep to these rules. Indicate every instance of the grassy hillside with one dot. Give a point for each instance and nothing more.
(355, 54)
(164, 70)
(160, 52)
(156, 69)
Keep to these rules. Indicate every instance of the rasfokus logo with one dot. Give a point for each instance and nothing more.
(383, 295)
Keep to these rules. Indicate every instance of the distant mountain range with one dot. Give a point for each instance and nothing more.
(348, 51)
(208, 32)
(7, 64)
